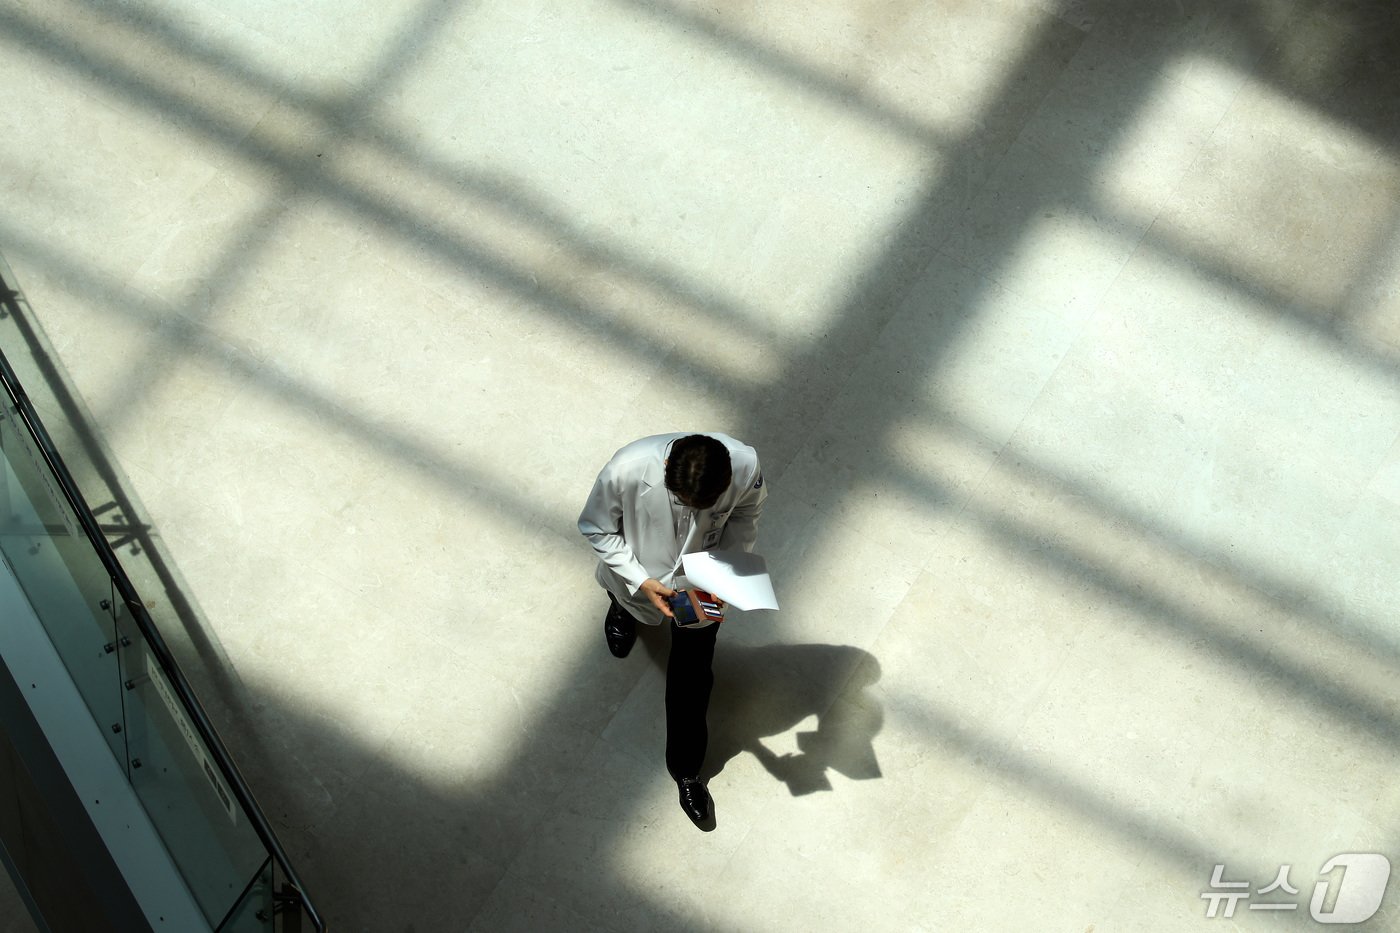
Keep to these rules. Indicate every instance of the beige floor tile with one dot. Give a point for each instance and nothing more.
(526, 904)
(1137, 117)
(1249, 175)
(1358, 571)
(1034, 231)
(1034, 856)
(626, 815)
(982, 648)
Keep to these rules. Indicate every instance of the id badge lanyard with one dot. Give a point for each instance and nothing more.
(683, 519)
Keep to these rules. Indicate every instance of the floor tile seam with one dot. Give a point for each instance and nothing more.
(648, 762)
(1184, 29)
(506, 871)
(1196, 164)
(1209, 620)
(1073, 166)
(1217, 752)
(732, 859)
(1247, 71)
(208, 627)
(1101, 308)
(1391, 460)
(1328, 606)
(533, 726)
(1095, 207)
(995, 274)
(318, 828)
(1384, 259)
(81, 76)
(886, 315)
(1008, 444)
(945, 255)
(984, 788)
(626, 750)
(1387, 809)
(1266, 686)
(527, 725)
(625, 263)
(1225, 112)
(1063, 68)
(314, 508)
(337, 583)
(552, 807)
(90, 287)
(1011, 726)
(168, 549)
(510, 869)
(1236, 849)
(1356, 505)
(1061, 11)
(434, 287)
(206, 366)
(199, 305)
(1082, 170)
(138, 458)
(1303, 319)
(1353, 175)
(1017, 724)
(206, 54)
(205, 350)
(970, 493)
(1051, 153)
(939, 254)
(837, 522)
(129, 274)
(122, 487)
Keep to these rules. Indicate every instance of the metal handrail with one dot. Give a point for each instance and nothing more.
(129, 596)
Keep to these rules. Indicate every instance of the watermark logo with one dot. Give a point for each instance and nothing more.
(1349, 889)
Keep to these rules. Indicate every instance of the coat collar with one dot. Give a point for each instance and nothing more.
(655, 474)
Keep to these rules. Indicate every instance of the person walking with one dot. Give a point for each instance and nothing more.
(657, 499)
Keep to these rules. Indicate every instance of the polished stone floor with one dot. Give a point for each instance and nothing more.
(1068, 333)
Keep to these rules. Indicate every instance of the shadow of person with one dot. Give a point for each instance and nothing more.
(768, 690)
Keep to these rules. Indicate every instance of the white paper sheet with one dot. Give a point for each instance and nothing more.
(737, 577)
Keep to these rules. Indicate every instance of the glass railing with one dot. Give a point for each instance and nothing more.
(159, 733)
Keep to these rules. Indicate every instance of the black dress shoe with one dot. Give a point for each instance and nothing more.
(620, 629)
(696, 803)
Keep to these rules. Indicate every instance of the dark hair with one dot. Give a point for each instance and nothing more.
(698, 469)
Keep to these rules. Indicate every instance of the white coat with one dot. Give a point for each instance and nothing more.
(630, 521)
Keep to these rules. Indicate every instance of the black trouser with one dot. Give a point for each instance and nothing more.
(688, 682)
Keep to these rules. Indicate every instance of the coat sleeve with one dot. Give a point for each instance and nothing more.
(741, 531)
(601, 523)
